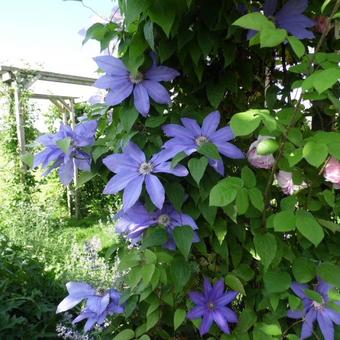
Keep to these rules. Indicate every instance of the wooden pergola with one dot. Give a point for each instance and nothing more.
(20, 79)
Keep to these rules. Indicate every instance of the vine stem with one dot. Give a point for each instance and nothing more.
(292, 122)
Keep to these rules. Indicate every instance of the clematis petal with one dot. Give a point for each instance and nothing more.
(206, 323)
(297, 26)
(141, 99)
(69, 302)
(183, 219)
(323, 288)
(295, 314)
(83, 315)
(66, 172)
(269, 7)
(119, 182)
(229, 150)
(89, 324)
(222, 135)
(84, 133)
(161, 73)
(307, 326)
(326, 326)
(118, 163)
(133, 151)
(333, 315)
(226, 298)
(111, 65)
(119, 92)
(299, 289)
(207, 287)
(228, 314)
(196, 313)
(98, 304)
(221, 321)
(80, 289)
(155, 190)
(217, 290)
(132, 192)
(292, 7)
(197, 298)
(175, 130)
(191, 124)
(165, 167)
(210, 123)
(157, 92)
(218, 165)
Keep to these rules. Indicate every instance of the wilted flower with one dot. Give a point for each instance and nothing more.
(137, 220)
(212, 306)
(322, 23)
(191, 136)
(332, 172)
(315, 310)
(285, 182)
(122, 83)
(132, 170)
(99, 304)
(63, 150)
(289, 17)
(258, 161)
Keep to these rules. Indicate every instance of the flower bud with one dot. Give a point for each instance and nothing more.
(256, 160)
(322, 23)
(332, 172)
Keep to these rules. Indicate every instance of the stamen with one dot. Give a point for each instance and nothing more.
(136, 79)
(201, 140)
(164, 220)
(145, 168)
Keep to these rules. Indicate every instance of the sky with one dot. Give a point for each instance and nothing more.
(44, 34)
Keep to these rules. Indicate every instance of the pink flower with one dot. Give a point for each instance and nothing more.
(285, 182)
(258, 161)
(332, 172)
(322, 23)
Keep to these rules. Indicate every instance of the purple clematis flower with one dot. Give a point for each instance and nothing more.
(66, 158)
(137, 220)
(132, 170)
(191, 136)
(122, 83)
(289, 17)
(212, 306)
(99, 304)
(313, 310)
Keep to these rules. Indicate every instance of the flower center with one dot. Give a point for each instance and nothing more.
(136, 79)
(211, 306)
(164, 220)
(101, 291)
(145, 168)
(318, 306)
(201, 140)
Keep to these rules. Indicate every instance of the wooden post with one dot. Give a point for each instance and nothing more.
(68, 188)
(20, 122)
(75, 176)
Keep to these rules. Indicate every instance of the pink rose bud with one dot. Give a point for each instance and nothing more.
(285, 182)
(322, 23)
(332, 172)
(258, 161)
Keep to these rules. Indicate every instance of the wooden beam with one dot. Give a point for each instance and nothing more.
(50, 96)
(51, 76)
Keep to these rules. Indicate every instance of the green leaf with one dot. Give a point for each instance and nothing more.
(179, 317)
(155, 121)
(180, 272)
(97, 32)
(271, 37)
(155, 237)
(256, 198)
(334, 150)
(28, 159)
(234, 283)
(308, 226)
(324, 5)
(303, 269)
(183, 237)
(128, 116)
(209, 150)
(136, 52)
(272, 329)
(267, 147)
(152, 319)
(176, 194)
(215, 92)
(222, 194)
(244, 123)
(85, 177)
(134, 8)
(312, 294)
(220, 229)
(180, 156)
(254, 21)
(64, 144)
(248, 177)
(297, 46)
(330, 273)
(242, 201)
(163, 13)
(315, 153)
(197, 168)
(333, 227)
(266, 247)
(147, 271)
(126, 334)
(322, 80)
(284, 221)
(148, 34)
(276, 282)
